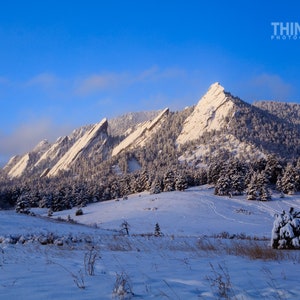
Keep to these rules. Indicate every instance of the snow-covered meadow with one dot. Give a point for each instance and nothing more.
(211, 248)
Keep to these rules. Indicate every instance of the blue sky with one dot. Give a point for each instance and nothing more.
(64, 64)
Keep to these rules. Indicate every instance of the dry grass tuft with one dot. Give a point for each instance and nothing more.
(251, 249)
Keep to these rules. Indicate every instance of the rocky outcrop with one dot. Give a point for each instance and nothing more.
(98, 131)
(209, 114)
(143, 133)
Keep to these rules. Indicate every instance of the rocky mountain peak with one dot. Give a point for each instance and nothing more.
(209, 114)
(98, 131)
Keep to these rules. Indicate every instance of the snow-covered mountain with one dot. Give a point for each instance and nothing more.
(219, 123)
(98, 131)
(142, 134)
(223, 122)
(18, 164)
(118, 126)
(43, 156)
(209, 114)
(50, 159)
(54, 151)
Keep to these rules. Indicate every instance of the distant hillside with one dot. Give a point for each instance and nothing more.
(119, 125)
(286, 111)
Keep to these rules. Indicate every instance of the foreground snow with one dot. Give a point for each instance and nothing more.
(188, 262)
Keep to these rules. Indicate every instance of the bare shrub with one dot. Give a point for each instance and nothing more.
(90, 259)
(79, 280)
(220, 282)
(122, 288)
(125, 227)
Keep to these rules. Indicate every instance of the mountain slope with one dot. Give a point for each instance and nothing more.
(19, 164)
(36, 163)
(265, 130)
(286, 111)
(53, 152)
(97, 131)
(43, 156)
(141, 134)
(119, 125)
(220, 117)
(208, 115)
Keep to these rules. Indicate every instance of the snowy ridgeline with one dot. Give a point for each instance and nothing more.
(286, 230)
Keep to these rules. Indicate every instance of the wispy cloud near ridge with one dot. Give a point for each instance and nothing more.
(102, 81)
(272, 86)
(42, 80)
(26, 135)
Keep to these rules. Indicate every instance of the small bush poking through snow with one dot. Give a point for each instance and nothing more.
(122, 288)
(286, 230)
(79, 212)
(125, 228)
(220, 282)
(90, 259)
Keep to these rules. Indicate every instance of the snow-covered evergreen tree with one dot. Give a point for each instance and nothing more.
(237, 184)
(231, 179)
(223, 186)
(286, 230)
(273, 168)
(156, 186)
(23, 204)
(169, 181)
(180, 183)
(257, 188)
(290, 180)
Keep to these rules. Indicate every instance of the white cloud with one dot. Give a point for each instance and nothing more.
(44, 80)
(98, 82)
(271, 87)
(105, 81)
(24, 137)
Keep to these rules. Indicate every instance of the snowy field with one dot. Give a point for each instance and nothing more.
(211, 248)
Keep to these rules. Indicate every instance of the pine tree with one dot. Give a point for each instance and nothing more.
(231, 179)
(237, 184)
(273, 168)
(156, 186)
(23, 206)
(223, 186)
(144, 178)
(286, 230)
(169, 181)
(290, 180)
(257, 188)
(265, 194)
(157, 231)
(214, 170)
(180, 183)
